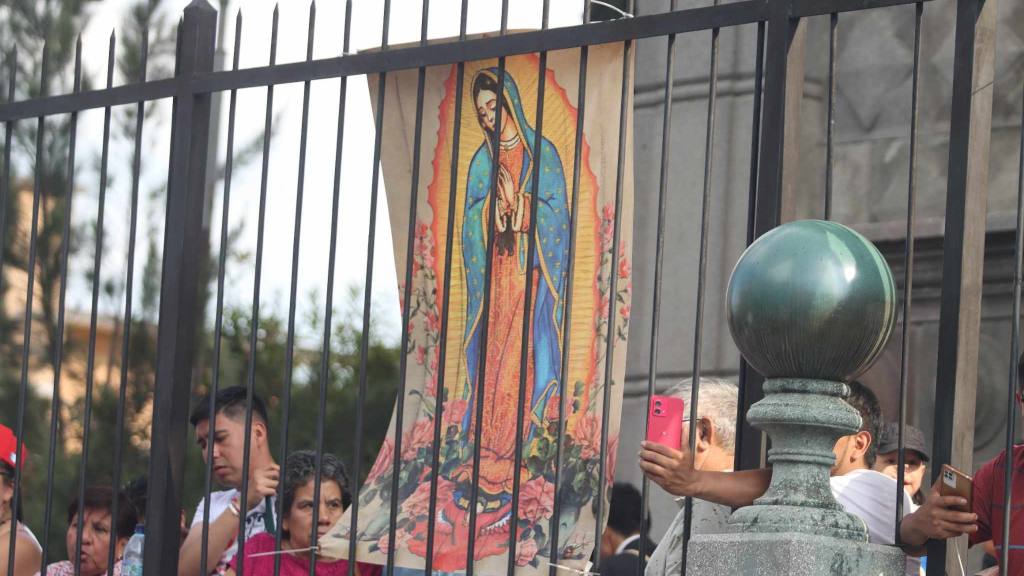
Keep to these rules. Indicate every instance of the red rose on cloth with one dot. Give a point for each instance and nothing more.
(384, 543)
(551, 410)
(609, 469)
(384, 460)
(454, 412)
(608, 212)
(422, 434)
(525, 552)
(624, 267)
(536, 500)
(587, 434)
(418, 503)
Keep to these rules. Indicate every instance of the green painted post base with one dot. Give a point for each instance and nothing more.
(790, 554)
(804, 418)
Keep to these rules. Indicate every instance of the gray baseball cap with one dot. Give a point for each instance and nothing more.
(913, 439)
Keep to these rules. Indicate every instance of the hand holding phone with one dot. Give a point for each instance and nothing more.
(956, 483)
(665, 421)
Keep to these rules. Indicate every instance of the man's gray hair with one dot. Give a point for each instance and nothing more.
(717, 401)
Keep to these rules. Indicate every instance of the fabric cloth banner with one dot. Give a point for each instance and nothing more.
(488, 351)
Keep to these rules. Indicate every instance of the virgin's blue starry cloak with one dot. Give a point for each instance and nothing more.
(550, 260)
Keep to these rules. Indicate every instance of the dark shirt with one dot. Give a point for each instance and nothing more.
(626, 563)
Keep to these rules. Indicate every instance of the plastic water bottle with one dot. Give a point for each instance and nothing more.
(131, 564)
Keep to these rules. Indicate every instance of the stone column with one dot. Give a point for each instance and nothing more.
(811, 305)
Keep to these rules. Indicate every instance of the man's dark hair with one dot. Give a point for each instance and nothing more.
(232, 402)
(864, 401)
(102, 498)
(135, 491)
(624, 512)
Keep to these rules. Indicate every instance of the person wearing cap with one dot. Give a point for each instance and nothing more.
(27, 551)
(858, 488)
(915, 459)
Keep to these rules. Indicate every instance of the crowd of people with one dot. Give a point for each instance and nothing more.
(863, 482)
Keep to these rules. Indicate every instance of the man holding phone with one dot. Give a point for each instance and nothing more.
(859, 489)
(715, 445)
(988, 491)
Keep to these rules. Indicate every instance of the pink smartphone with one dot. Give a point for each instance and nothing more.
(665, 421)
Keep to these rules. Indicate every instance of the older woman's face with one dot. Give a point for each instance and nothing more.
(96, 535)
(298, 520)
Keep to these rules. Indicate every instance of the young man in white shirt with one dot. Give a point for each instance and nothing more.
(861, 491)
(224, 442)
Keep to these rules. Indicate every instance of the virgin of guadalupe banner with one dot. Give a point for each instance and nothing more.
(495, 356)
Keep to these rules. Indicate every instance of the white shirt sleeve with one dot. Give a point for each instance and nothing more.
(218, 504)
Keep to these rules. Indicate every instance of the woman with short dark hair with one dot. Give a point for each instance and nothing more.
(98, 528)
(297, 521)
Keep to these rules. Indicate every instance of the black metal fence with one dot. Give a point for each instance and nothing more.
(778, 87)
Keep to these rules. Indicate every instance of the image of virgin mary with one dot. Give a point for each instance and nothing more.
(511, 269)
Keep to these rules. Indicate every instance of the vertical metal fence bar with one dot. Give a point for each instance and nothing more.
(831, 123)
(58, 346)
(364, 340)
(531, 253)
(485, 314)
(963, 248)
(745, 433)
(783, 87)
(460, 73)
(5, 183)
(254, 325)
(90, 362)
(659, 258)
(218, 319)
(126, 334)
(26, 344)
(289, 358)
(332, 259)
(179, 289)
(403, 364)
(625, 101)
(908, 272)
(755, 137)
(573, 224)
(698, 330)
(1013, 385)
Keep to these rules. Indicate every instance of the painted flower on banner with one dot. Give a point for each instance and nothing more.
(587, 434)
(421, 435)
(537, 500)
(526, 551)
(454, 411)
(384, 543)
(418, 504)
(384, 460)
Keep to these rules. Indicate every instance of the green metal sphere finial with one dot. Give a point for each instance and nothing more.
(811, 299)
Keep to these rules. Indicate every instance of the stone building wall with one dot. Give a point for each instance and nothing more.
(872, 124)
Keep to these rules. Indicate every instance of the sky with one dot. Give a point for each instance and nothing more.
(367, 16)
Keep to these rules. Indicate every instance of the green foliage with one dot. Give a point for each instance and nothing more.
(304, 400)
(26, 24)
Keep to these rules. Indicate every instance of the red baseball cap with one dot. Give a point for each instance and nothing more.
(9, 447)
